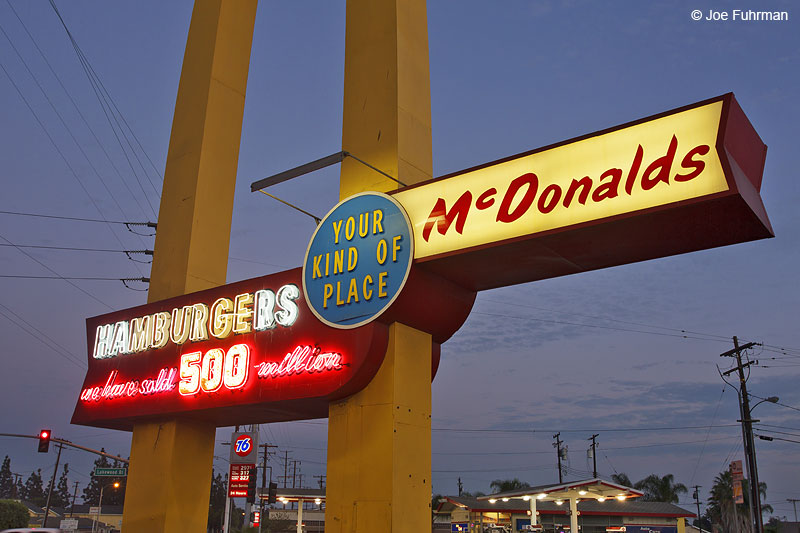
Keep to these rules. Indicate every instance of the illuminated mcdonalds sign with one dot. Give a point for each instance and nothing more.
(231, 354)
(680, 181)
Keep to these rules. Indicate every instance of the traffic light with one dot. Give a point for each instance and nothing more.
(44, 440)
(273, 492)
(251, 486)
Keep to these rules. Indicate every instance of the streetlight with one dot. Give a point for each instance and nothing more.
(755, 496)
(100, 504)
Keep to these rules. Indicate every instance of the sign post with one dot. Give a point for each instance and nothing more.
(171, 460)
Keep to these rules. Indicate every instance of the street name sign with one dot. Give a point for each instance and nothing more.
(111, 472)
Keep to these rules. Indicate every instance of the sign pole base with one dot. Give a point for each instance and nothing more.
(379, 445)
(169, 479)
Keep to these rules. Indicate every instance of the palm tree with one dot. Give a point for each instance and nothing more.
(505, 485)
(726, 515)
(660, 489)
(622, 479)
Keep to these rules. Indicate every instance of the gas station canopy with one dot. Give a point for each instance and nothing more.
(597, 489)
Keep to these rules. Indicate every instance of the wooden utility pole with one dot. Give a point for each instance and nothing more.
(747, 431)
(594, 453)
(697, 501)
(557, 446)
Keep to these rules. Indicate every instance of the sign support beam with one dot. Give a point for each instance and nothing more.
(170, 469)
(379, 440)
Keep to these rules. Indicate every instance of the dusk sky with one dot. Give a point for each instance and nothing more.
(628, 352)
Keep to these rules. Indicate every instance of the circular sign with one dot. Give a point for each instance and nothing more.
(358, 260)
(243, 445)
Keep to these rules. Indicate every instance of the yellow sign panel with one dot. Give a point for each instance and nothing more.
(658, 162)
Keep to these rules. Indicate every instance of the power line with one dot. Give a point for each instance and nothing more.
(72, 100)
(779, 432)
(579, 324)
(41, 337)
(98, 84)
(80, 219)
(593, 317)
(713, 419)
(73, 249)
(66, 127)
(774, 426)
(584, 430)
(762, 437)
(29, 256)
(679, 332)
(76, 278)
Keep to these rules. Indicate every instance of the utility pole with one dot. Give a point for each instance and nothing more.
(294, 472)
(321, 481)
(266, 447)
(285, 467)
(74, 496)
(697, 501)
(594, 453)
(460, 487)
(557, 446)
(794, 504)
(747, 430)
(52, 483)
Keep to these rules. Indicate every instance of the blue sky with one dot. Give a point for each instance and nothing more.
(600, 351)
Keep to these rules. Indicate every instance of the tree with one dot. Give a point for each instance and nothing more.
(60, 496)
(724, 513)
(33, 490)
(216, 502)
(6, 479)
(111, 495)
(506, 485)
(660, 489)
(622, 479)
(476, 494)
(13, 514)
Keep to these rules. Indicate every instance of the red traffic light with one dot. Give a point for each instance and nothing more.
(44, 440)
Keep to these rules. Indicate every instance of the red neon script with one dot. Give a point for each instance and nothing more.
(112, 389)
(304, 359)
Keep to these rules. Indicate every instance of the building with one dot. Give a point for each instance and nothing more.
(598, 506)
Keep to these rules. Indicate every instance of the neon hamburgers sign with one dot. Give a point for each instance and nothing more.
(222, 354)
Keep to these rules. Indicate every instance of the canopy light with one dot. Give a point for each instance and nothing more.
(526, 498)
(601, 499)
(621, 497)
(559, 502)
(505, 499)
(582, 492)
(492, 500)
(317, 501)
(541, 496)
